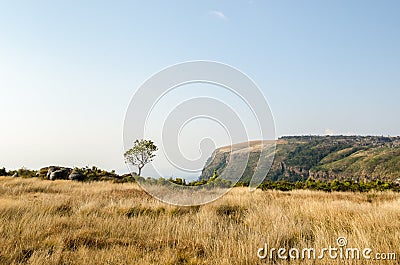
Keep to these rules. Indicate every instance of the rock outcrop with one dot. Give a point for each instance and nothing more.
(55, 172)
(61, 173)
(76, 175)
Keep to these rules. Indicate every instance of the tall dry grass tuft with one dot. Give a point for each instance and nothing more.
(65, 222)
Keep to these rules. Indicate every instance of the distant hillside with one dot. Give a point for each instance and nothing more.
(360, 158)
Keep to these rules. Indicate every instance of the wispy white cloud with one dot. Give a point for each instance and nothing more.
(333, 132)
(218, 14)
(329, 131)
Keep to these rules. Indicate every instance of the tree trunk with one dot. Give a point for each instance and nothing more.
(139, 170)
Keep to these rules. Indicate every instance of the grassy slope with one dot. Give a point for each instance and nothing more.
(63, 222)
(373, 162)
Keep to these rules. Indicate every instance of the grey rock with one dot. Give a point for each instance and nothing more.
(50, 170)
(76, 175)
(61, 173)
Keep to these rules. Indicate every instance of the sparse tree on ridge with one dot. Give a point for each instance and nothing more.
(141, 153)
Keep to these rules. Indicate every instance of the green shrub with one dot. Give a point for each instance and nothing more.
(3, 172)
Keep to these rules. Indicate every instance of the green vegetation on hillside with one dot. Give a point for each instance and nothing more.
(325, 158)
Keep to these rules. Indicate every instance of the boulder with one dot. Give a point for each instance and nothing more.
(76, 175)
(61, 173)
(50, 170)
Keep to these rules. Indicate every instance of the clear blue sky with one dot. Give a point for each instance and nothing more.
(69, 68)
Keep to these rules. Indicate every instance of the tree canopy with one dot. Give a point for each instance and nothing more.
(141, 153)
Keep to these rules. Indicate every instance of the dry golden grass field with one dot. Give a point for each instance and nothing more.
(64, 222)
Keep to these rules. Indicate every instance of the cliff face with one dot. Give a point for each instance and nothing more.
(320, 157)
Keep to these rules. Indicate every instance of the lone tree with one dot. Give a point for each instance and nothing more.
(141, 153)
